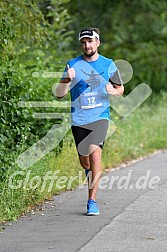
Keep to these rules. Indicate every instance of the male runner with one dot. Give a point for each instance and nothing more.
(89, 79)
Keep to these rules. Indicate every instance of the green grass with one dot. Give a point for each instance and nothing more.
(31, 189)
(136, 136)
(143, 132)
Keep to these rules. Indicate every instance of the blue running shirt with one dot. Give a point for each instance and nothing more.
(89, 98)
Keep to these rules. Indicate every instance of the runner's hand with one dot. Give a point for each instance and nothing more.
(70, 73)
(111, 90)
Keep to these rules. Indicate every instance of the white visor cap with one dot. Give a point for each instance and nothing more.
(88, 34)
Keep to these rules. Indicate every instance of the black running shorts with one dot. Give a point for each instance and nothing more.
(92, 133)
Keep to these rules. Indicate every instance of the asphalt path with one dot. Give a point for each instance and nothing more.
(133, 215)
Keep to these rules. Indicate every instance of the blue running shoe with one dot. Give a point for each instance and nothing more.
(92, 208)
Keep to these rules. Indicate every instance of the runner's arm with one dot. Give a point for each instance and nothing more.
(63, 87)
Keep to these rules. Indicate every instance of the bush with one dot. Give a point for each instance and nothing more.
(28, 43)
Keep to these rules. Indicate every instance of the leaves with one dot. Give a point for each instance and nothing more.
(28, 43)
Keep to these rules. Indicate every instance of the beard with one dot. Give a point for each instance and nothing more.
(89, 54)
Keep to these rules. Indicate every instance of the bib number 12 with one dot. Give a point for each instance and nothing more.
(92, 100)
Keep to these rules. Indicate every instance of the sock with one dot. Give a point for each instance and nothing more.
(91, 200)
(86, 172)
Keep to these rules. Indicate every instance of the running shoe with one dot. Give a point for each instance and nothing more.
(92, 208)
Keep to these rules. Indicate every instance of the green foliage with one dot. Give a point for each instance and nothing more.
(28, 43)
(21, 28)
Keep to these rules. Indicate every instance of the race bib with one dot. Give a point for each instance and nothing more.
(90, 100)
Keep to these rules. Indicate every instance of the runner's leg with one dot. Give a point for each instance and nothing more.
(96, 171)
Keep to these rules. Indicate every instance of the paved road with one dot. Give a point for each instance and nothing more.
(133, 216)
